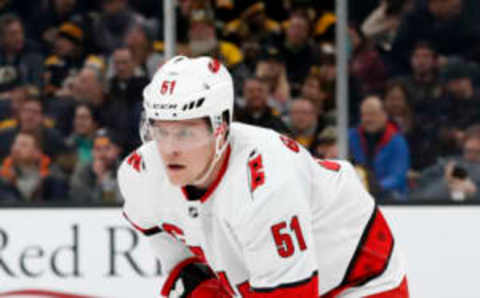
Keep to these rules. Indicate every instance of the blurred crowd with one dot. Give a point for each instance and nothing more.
(72, 74)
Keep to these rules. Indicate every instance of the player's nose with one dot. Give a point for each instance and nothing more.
(169, 147)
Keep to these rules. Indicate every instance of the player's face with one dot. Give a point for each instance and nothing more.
(186, 147)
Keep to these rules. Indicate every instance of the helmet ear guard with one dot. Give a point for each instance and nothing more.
(221, 129)
(144, 128)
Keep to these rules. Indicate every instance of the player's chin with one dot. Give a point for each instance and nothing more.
(177, 181)
(178, 177)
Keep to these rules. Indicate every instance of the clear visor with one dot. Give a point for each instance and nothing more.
(181, 136)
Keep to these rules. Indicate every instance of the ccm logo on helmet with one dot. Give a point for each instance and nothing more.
(162, 106)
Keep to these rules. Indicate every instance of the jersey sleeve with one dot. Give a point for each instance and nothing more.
(133, 187)
(137, 210)
(275, 233)
(357, 253)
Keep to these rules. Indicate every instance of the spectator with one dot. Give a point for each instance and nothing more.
(426, 96)
(96, 182)
(460, 108)
(271, 69)
(127, 88)
(256, 110)
(28, 175)
(455, 178)
(184, 15)
(367, 66)
(463, 97)
(20, 59)
(67, 60)
(321, 80)
(252, 53)
(419, 138)
(125, 85)
(48, 20)
(89, 88)
(32, 120)
(203, 40)
(297, 50)
(115, 21)
(313, 90)
(85, 124)
(10, 107)
(139, 40)
(325, 144)
(451, 26)
(377, 144)
(383, 22)
(61, 107)
(423, 83)
(397, 107)
(304, 122)
(253, 24)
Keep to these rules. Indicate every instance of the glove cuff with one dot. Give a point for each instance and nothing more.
(191, 271)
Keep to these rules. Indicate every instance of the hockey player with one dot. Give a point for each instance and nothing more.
(233, 210)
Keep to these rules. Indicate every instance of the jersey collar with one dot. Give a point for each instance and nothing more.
(217, 180)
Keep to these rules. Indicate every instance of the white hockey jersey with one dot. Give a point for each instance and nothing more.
(274, 219)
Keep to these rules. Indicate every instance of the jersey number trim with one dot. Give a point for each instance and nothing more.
(283, 239)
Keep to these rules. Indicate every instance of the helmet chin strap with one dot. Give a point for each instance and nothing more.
(218, 154)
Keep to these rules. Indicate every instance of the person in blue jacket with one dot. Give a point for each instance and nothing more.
(378, 144)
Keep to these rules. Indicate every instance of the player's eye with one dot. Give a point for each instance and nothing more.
(161, 132)
(185, 133)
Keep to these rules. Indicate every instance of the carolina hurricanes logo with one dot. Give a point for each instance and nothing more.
(214, 66)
